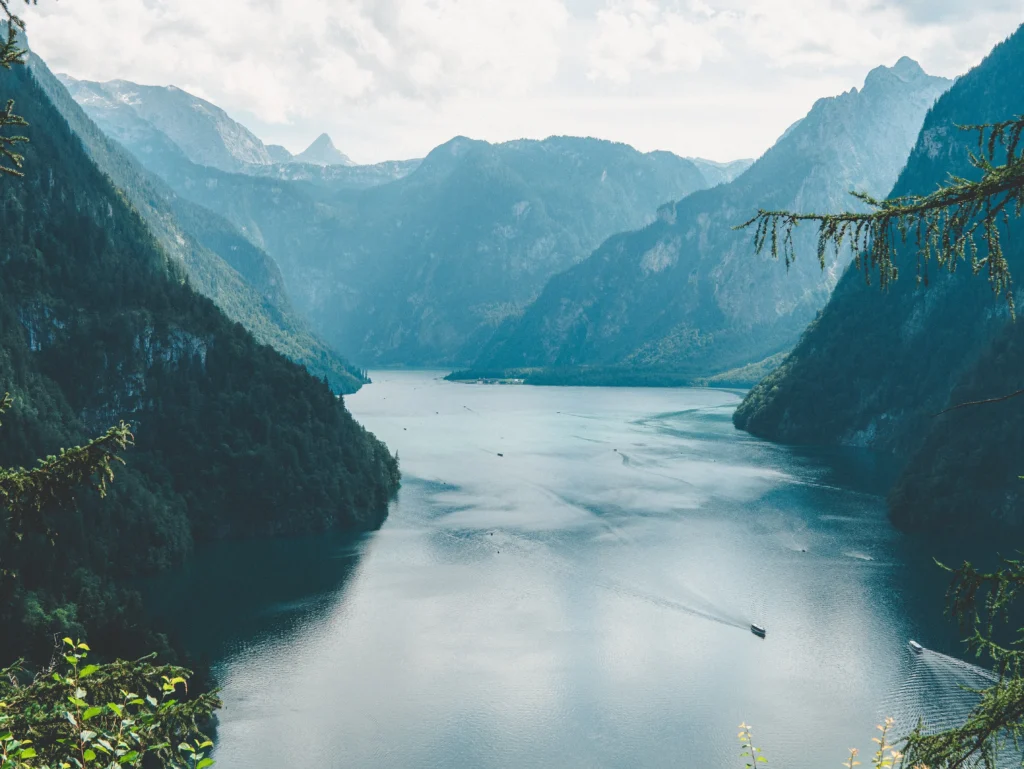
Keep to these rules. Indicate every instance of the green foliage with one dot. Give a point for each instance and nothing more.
(121, 714)
(945, 224)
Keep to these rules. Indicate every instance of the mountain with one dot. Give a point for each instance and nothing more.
(720, 173)
(278, 154)
(875, 368)
(240, 277)
(98, 323)
(322, 152)
(202, 131)
(685, 297)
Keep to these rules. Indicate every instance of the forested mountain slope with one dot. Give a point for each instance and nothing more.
(221, 263)
(875, 368)
(97, 324)
(685, 297)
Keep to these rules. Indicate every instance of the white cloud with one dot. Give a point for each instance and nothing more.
(639, 36)
(392, 78)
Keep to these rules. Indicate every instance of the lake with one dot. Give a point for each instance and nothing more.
(568, 579)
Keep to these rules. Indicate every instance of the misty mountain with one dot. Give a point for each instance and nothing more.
(421, 270)
(876, 368)
(322, 152)
(220, 262)
(203, 132)
(685, 297)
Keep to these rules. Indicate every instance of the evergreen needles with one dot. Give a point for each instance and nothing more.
(960, 220)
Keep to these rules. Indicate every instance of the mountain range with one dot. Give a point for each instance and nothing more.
(879, 369)
(417, 262)
(685, 298)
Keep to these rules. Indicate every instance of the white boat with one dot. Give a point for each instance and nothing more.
(916, 647)
(759, 631)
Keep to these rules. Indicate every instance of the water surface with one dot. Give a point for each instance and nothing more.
(567, 580)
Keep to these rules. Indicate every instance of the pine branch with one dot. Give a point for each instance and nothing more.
(53, 480)
(11, 53)
(959, 220)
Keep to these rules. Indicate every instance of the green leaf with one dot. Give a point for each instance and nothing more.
(91, 713)
(89, 754)
(88, 670)
(204, 763)
(27, 753)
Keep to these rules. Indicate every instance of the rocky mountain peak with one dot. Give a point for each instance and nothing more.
(322, 152)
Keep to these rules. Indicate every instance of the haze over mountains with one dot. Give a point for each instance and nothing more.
(422, 270)
(685, 298)
(241, 278)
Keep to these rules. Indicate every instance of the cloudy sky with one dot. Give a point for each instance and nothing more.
(394, 78)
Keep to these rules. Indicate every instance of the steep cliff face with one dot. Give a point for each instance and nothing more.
(98, 323)
(221, 263)
(686, 294)
(875, 368)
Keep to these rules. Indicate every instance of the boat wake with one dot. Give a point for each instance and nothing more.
(939, 692)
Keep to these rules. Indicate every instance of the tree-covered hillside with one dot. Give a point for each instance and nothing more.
(877, 367)
(221, 263)
(98, 324)
(684, 298)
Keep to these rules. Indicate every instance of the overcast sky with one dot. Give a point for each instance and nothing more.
(393, 78)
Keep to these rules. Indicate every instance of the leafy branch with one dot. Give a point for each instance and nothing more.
(11, 52)
(957, 222)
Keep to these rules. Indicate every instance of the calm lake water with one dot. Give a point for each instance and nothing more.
(567, 580)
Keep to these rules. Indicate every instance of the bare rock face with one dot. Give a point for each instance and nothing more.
(202, 131)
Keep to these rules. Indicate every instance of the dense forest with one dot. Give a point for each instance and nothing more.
(877, 368)
(98, 324)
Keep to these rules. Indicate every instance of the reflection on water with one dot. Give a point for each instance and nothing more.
(567, 579)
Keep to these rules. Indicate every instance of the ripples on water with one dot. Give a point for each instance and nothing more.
(583, 600)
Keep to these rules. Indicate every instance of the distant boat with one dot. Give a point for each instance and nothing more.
(916, 647)
(759, 631)
(500, 454)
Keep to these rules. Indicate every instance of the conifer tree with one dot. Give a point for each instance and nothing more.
(11, 53)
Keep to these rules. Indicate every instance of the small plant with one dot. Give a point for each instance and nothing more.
(886, 755)
(104, 716)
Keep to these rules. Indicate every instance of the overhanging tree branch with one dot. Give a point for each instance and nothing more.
(959, 220)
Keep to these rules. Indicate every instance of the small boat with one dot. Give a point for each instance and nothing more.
(916, 647)
(759, 631)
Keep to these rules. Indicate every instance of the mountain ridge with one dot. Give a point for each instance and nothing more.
(678, 297)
